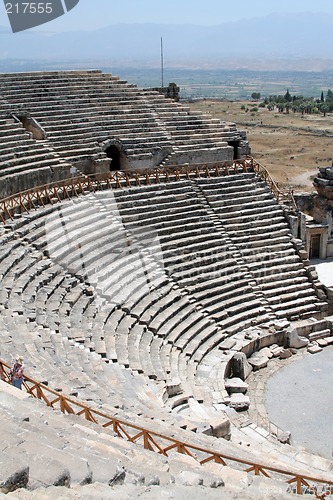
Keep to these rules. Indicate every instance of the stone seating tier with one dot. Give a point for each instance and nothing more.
(158, 333)
(267, 251)
(23, 158)
(80, 459)
(75, 107)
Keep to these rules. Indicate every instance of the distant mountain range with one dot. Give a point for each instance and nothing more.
(304, 35)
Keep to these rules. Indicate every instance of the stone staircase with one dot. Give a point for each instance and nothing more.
(258, 228)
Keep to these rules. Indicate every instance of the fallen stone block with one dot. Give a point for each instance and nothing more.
(216, 483)
(258, 361)
(220, 427)
(252, 334)
(239, 402)
(173, 388)
(241, 368)
(236, 384)
(281, 324)
(284, 437)
(276, 351)
(285, 354)
(313, 349)
(153, 481)
(294, 340)
(266, 351)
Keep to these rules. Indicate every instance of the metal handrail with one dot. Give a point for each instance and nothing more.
(161, 443)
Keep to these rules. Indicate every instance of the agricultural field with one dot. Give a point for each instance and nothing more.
(290, 146)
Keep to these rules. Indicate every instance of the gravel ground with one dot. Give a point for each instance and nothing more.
(324, 269)
(299, 398)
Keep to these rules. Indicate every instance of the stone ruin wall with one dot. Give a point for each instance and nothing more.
(171, 91)
(323, 203)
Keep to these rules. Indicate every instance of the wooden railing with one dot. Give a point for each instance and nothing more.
(281, 196)
(162, 444)
(68, 188)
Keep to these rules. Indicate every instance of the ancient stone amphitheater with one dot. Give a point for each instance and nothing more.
(147, 267)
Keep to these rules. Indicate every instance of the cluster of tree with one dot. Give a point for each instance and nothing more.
(297, 103)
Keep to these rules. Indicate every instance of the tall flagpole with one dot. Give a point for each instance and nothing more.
(162, 66)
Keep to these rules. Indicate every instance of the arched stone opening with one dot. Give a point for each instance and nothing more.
(235, 145)
(114, 154)
(114, 151)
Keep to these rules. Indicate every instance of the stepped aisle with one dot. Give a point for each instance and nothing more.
(137, 301)
(258, 228)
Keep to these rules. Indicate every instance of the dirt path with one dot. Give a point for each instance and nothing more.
(291, 146)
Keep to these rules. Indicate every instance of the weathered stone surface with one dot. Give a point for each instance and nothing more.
(227, 344)
(189, 478)
(276, 350)
(281, 324)
(240, 366)
(220, 427)
(252, 334)
(239, 402)
(134, 477)
(118, 478)
(90, 290)
(294, 340)
(173, 388)
(286, 353)
(303, 254)
(258, 361)
(153, 481)
(13, 475)
(284, 437)
(313, 349)
(328, 173)
(64, 479)
(216, 483)
(266, 351)
(48, 471)
(236, 384)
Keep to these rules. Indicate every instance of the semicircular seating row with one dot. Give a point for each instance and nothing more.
(23, 159)
(80, 110)
(153, 279)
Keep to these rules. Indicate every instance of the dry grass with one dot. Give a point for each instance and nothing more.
(290, 146)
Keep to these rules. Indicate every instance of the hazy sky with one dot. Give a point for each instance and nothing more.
(93, 14)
